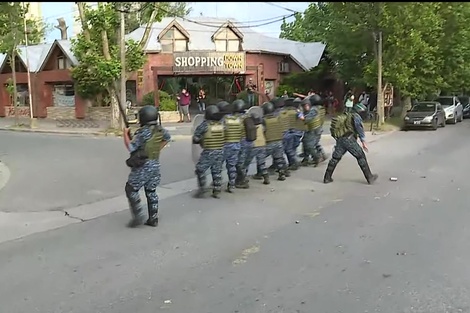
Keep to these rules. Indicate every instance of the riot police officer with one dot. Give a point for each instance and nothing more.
(233, 130)
(246, 143)
(210, 135)
(345, 129)
(313, 120)
(273, 134)
(144, 162)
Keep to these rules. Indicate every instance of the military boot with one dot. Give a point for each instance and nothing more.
(242, 183)
(257, 176)
(216, 194)
(200, 191)
(135, 206)
(153, 214)
(329, 171)
(304, 162)
(294, 167)
(287, 172)
(266, 179)
(282, 175)
(230, 188)
(371, 178)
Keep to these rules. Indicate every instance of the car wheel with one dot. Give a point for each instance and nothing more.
(443, 124)
(434, 124)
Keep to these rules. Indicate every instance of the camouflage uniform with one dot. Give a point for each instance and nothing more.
(273, 134)
(258, 151)
(233, 132)
(210, 158)
(310, 137)
(146, 176)
(347, 142)
(245, 150)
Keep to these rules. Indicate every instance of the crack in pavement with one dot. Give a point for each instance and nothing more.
(74, 217)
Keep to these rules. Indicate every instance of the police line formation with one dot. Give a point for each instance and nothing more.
(234, 134)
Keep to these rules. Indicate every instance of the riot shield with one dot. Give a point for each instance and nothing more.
(196, 149)
(255, 109)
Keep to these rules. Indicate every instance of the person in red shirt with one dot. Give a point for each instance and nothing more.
(184, 100)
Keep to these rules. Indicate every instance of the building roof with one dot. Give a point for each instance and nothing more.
(201, 29)
(38, 54)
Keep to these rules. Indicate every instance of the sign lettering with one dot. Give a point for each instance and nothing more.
(209, 62)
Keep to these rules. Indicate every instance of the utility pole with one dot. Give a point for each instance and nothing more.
(30, 94)
(123, 62)
(380, 96)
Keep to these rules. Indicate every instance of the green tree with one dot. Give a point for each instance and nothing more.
(411, 33)
(141, 12)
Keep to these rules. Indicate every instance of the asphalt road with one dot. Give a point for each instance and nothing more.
(295, 246)
(53, 172)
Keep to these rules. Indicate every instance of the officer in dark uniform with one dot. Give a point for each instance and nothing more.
(273, 134)
(233, 128)
(210, 135)
(317, 103)
(144, 162)
(345, 129)
(259, 150)
(313, 121)
(296, 129)
(239, 107)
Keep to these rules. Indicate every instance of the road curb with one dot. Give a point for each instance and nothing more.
(4, 175)
(46, 131)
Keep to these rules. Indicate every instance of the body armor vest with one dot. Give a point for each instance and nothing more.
(342, 125)
(273, 129)
(242, 120)
(233, 129)
(294, 122)
(214, 136)
(322, 113)
(285, 120)
(153, 146)
(260, 139)
(315, 122)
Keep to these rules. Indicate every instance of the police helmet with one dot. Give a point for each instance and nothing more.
(147, 115)
(223, 106)
(305, 102)
(278, 102)
(268, 108)
(238, 106)
(212, 113)
(359, 107)
(315, 100)
(257, 118)
(290, 102)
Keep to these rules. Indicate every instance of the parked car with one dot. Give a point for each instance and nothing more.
(425, 115)
(452, 108)
(465, 100)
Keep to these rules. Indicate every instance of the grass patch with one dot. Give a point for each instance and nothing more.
(391, 124)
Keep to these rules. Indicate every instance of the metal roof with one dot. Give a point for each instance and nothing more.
(201, 29)
(38, 54)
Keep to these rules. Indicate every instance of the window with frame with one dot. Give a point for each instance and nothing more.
(174, 41)
(63, 63)
(227, 41)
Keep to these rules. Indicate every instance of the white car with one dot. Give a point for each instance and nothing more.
(452, 108)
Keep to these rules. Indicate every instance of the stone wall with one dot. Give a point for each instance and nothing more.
(169, 116)
(22, 111)
(99, 113)
(61, 113)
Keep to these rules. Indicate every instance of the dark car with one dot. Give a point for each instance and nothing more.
(425, 115)
(465, 100)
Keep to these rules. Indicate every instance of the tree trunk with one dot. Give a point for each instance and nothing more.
(148, 27)
(15, 90)
(406, 106)
(115, 113)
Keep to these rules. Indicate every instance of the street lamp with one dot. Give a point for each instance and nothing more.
(32, 124)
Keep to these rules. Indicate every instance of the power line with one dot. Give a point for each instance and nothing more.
(281, 7)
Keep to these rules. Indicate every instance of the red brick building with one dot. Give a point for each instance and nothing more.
(175, 47)
(210, 46)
